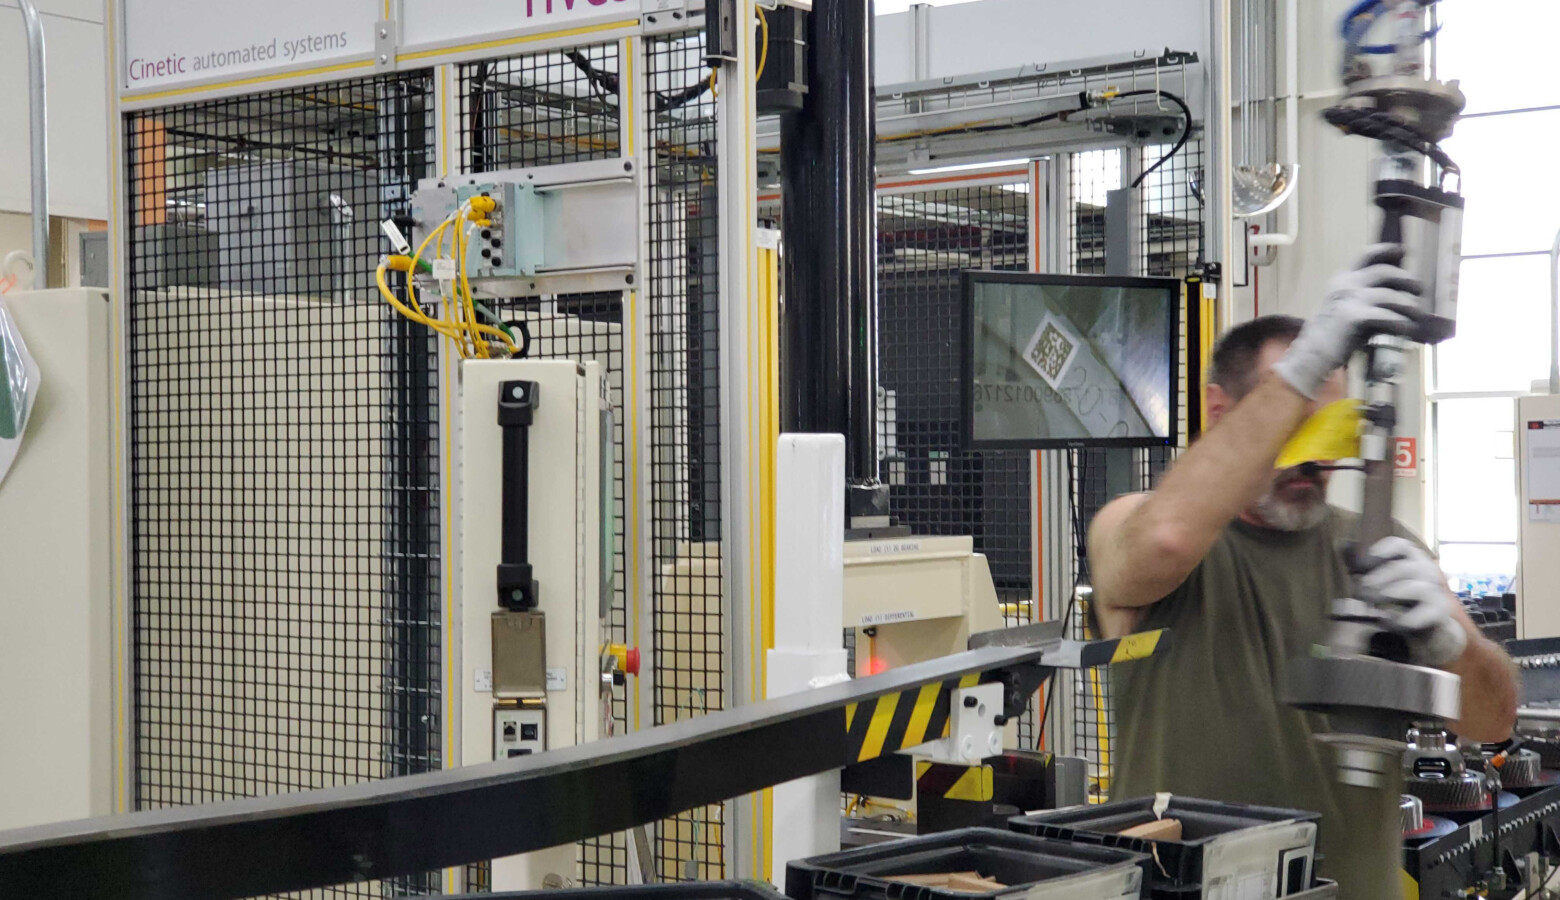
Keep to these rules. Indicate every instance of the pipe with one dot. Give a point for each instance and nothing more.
(1554, 315)
(37, 107)
(829, 346)
(1291, 207)
(1218, 185)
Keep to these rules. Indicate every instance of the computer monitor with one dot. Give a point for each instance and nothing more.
(1069, 361)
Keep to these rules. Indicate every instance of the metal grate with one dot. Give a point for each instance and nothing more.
(1090, 174)
(1169, 242)
(1094, 725)
(541, 109)
(545, 109)
(683, 295)
(285, 567)
(1170, 234)
(925, 240)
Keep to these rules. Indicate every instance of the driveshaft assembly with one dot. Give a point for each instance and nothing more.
(1359, 676)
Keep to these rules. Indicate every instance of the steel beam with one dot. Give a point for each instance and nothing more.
(417, 823)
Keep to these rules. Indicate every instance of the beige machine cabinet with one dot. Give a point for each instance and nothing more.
(56, 650)
(1538, 529)
(922, 596)
(532, 681)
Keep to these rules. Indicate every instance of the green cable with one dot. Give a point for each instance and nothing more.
(497, 322)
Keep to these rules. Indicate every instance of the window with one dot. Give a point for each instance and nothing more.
(1503, 324)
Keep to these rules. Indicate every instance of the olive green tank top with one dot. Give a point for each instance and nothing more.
(1204, 717)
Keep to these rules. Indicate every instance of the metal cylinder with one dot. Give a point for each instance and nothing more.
(39, 125)
(828, 364)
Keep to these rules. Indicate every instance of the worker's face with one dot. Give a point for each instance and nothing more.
(1294, 500)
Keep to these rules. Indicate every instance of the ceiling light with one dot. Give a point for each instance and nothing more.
(968, 167)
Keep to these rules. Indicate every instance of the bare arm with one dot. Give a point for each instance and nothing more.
(1141, 547)
(1489, 687)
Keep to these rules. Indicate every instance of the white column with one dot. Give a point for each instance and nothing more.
(809, 612)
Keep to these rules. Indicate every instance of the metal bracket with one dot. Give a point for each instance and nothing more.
(721, 31)
(387, 40)
(666, 16)
(564, 229)
(973, 733)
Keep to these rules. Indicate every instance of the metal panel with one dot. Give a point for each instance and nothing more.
(925, 240)
(545, 109)
(683, 290)
(285, 574)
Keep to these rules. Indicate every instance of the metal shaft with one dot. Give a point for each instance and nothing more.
(829, 349)
(39, 124)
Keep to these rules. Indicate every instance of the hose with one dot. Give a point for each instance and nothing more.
(1186, 132)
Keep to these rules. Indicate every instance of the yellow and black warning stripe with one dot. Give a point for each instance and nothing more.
(893, 722)
(907, 718)
(973, 783)
(1120, 650)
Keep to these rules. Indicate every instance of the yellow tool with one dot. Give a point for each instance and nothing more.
(1333, 432)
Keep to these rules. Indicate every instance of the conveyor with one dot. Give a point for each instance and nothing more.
(454, 817)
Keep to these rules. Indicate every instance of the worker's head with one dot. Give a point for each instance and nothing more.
(1296, 499)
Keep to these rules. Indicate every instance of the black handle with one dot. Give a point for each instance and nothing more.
(517, 589)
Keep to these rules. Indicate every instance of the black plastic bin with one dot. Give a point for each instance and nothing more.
(1179, 870)
(697, 890)
(1031, 868)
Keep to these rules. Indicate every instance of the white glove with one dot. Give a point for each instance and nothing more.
(1376, 297)
(1407, 588)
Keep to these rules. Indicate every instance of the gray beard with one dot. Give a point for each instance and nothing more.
(1283, 515)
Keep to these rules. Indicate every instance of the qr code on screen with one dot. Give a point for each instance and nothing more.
(1051, 350)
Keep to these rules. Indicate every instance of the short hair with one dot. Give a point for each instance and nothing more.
(1234, 357)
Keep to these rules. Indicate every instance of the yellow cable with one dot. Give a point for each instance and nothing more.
(410, 312)
(411, 290)
(464, 287)
(458, 332)
(713, 73)
(763, 53)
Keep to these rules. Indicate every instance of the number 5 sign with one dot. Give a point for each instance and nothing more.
(1405, 457)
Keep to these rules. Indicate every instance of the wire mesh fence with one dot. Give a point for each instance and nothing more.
(1168, 241)
(926, 239)
(548, 109)
(541, 109)
(683, 297)
(285, 541)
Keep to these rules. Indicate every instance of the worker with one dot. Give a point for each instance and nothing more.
(1242, 563)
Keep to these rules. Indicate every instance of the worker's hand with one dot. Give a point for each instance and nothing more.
(1376, 297)
(1409, 591)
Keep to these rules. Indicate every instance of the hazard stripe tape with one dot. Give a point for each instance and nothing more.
(1136, 646)
(912, 717)
(972, 783)
(1131, 647)
(906, 719)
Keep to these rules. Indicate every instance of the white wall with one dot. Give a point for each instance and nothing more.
(1338, 221)
(969, 38)
(78, 109)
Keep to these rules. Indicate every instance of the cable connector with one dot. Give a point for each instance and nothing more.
(397, 239)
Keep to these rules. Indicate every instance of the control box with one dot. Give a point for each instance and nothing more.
(519, 729)
(560, 229)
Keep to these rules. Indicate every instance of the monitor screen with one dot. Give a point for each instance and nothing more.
(1069, 360)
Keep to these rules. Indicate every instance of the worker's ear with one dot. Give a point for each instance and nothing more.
(1220, 402)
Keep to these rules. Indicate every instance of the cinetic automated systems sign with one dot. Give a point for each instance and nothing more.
(170, 42)
(174, 42)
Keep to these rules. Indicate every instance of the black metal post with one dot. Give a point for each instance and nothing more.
(829, 333)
